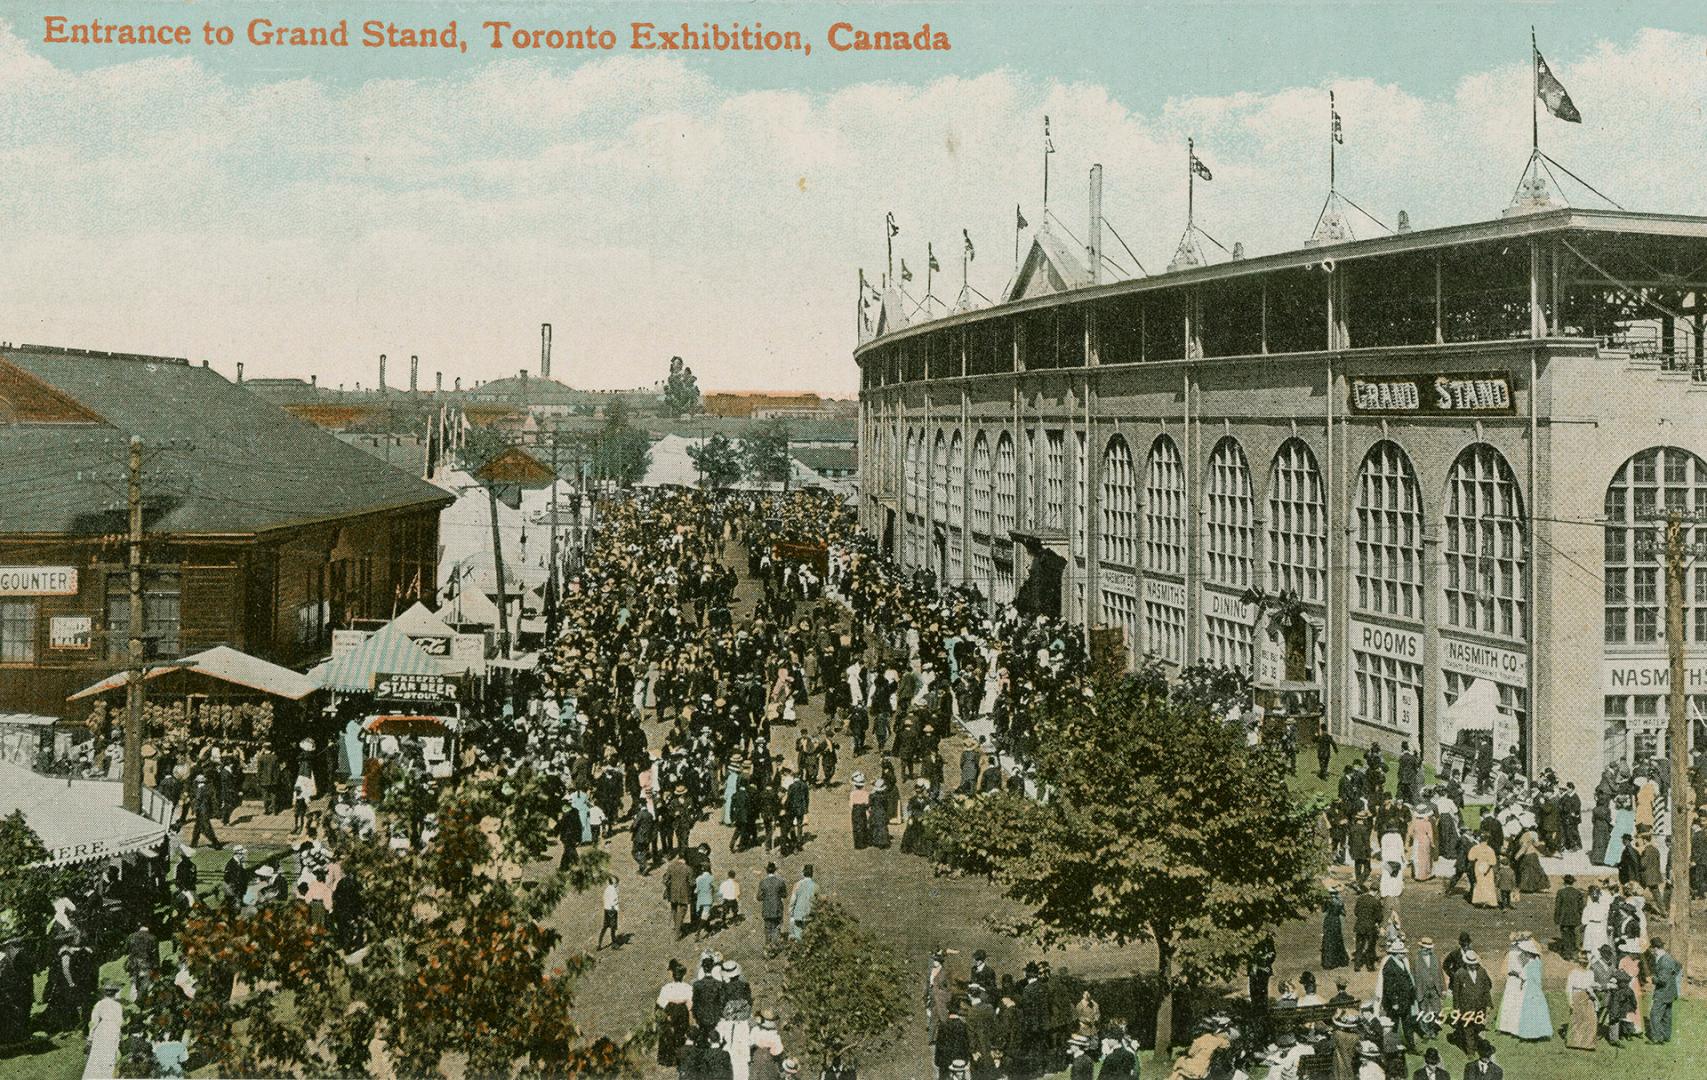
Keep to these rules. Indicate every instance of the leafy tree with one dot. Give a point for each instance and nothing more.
(844, 987)
(27, 891)
(621, 452)
(453, 977)
(1210, 688)
(1162, 826)
(719, 461)
(764, 451)
(681, 389)
(482, 445)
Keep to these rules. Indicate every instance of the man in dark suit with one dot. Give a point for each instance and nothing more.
(1431, 1068)
(1410, 774)
(1568, 906)
(1399, 994)
(982, 974)
(1571, 819)
(1366, 928)
(953, 1042)
(1472, 996)
(1667, 974)
(1483, 1068)
(773, 896)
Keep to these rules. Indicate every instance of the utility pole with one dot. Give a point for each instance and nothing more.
(498, 568)
(554, 585)
(133, 677)
(1682, 793)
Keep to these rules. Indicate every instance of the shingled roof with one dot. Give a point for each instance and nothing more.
(218, 460)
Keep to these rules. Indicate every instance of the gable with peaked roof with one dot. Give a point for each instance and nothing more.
(1050, 266)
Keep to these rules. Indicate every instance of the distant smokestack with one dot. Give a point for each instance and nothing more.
(459, 384)
(438, 382)
(381, 373)
(545, 350)
(1095, 244)
(414, 372)
(314, 382)
(239, 373)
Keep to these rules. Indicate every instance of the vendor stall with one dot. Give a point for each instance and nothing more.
(78, 821)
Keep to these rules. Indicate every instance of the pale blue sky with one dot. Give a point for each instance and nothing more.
(304, 210)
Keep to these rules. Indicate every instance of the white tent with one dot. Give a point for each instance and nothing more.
(77, 821)
(1478, 709)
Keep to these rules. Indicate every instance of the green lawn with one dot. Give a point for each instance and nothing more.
(1552, 1060)
(62, 1057)
(1306, 782)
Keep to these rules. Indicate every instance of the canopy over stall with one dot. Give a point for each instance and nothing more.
(222, 664)
(389, 651)
(77, 821)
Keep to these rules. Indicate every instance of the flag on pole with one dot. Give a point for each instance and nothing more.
(935, 266)
(1048, 143)
(1339, 136)
(906, 274)
(970, 254)
(1552, 92)
(1019, 219)
(894, 229)
(1198, 167)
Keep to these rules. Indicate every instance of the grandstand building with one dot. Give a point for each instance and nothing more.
(1420, 471)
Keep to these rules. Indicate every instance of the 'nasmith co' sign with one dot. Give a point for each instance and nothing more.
(1457, 394)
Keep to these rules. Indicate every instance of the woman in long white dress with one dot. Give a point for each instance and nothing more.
(1596, 910)
(1511, 1001)
(106, 1023)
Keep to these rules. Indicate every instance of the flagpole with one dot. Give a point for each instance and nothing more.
(1331, 163)
(1534, 95)
(1016, 221)
(1190, 180)
(1046, 166)
(889, 239)
(930, 261)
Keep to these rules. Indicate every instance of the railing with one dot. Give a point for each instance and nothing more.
(1646, 346)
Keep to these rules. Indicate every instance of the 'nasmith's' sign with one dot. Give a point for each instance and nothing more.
(1432, 395)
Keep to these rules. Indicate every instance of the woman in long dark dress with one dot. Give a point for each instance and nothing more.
(914, 839)
(1531, 877)
(882, 798)
(1333, 933)
(674, 1015)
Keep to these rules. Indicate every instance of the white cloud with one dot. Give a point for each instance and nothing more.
(645, 211)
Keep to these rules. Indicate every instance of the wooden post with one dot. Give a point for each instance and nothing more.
(1677, 702)
(133, 677)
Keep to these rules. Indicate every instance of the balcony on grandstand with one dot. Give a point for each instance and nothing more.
(1627, 286)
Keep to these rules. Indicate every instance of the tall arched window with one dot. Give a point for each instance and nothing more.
(982, 481)
(1297, 523)
(939, 477)
(1643, 490)
(1119, 505)
(956, 469)
(1386, 663)
(1230, 553)
(915, 497)
(1389, 535)
(1164, 551)
(1007, 498)
(1120, 540)
(1484, 582)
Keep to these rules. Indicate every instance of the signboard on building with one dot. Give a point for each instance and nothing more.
(1455, 394)
(69, 631)
(1650, 675)
(344, 641)
(1405, 709)
(38, 581)
(413, 688)
(1271, 658)
(1386, 641)
(1480, 661)
(435, 646)
(1230, 606)
(1118, 581)
(1171, 593)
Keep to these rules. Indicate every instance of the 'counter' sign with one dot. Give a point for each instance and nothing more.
(1473, 392)
(38, 580)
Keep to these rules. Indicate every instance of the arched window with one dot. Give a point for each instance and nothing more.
(1643, 491)
(1120, 540)
(1164, 510)
(1119, 505)
(982, 480)
(939, 477)
(1230, 552)
(1388, 685)
(1483, 583)
(915, 472)
(1054, 479)
(956, 469)
(1164, 551)
(915, 485)
(1007, 499)
(1389, 535)
(1297, 523)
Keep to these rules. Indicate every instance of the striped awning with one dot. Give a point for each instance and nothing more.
(77, 820)
(387, 652)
